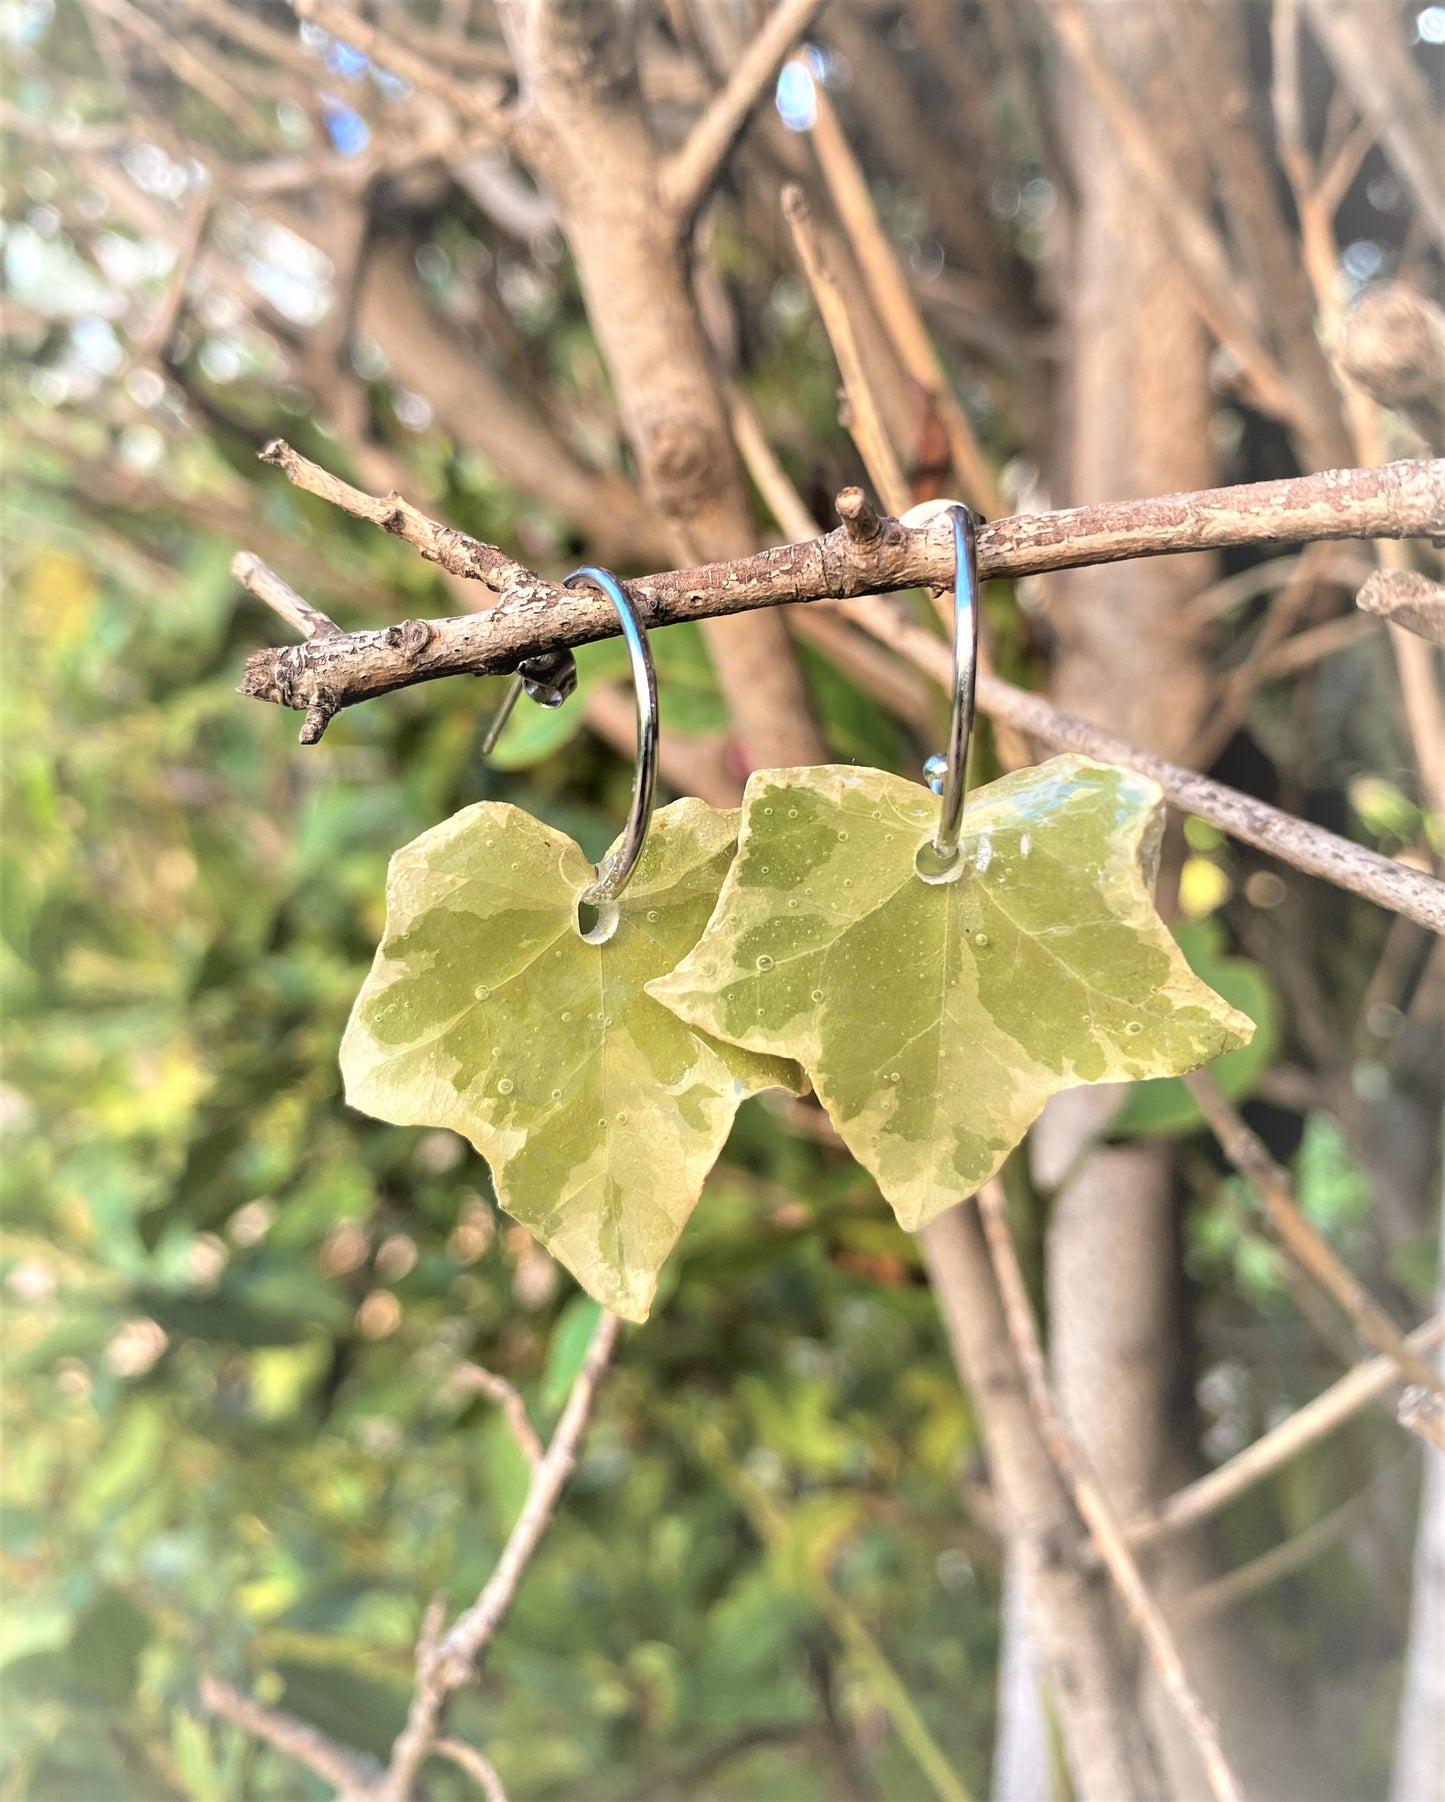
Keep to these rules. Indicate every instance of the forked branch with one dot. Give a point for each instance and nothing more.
(856, 565)
(444, 1662)
(1398, 500)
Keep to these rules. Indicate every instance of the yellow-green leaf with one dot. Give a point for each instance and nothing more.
(935, 1019)
(486, 1011)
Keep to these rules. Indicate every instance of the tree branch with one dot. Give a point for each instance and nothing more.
(533, 615)
(1398, 500)
(685, 179)
(514, 1409)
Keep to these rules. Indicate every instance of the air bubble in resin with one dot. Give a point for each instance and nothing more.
(505, 1085)
(765, 962)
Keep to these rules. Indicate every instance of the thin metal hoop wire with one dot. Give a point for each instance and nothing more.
(965, 664)
(616, 869)
(502, 715)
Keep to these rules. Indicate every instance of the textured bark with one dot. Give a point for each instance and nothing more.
(1392, 343)
(582, 127)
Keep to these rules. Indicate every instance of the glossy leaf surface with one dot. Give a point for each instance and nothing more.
(935, 1019)
(486, 1011)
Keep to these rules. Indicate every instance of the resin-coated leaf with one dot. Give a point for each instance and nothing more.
(599, 1111)
(936, 1019)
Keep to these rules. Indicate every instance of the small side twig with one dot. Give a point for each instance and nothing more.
(456, 552)
(1329, 1410)
(1083, 1486)
(351, 1774)
(1281, 1560)
(1247, 1152)
(865, 422)
(443, 1665)
(476, 1765)
(898, 310)
(488, 1383)
(258, 578)
(444, 1662)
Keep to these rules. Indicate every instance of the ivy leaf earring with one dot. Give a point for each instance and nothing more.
(938, 977)
(508, 1002)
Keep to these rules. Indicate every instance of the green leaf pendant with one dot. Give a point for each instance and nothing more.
(487, 1011)
(936, 1017)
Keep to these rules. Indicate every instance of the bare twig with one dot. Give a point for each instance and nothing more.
(1110, 1748)
(1423, 1412)
(1246, 1151)
(899, 689)
(848, 565)
(865, 422)
(185, 63)
(687, 177)
(1406, 599)
(1307, 648)
(261, 580)
(455, 552)
(1329, 1410)
(1242, 682)
(350, 1773)
(443, 1663)
(1281, 1560)
(1089, 1499)
(488, 1383)
(444, 1666)
(1399, 500)
(476, 1765)
(897, 309)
